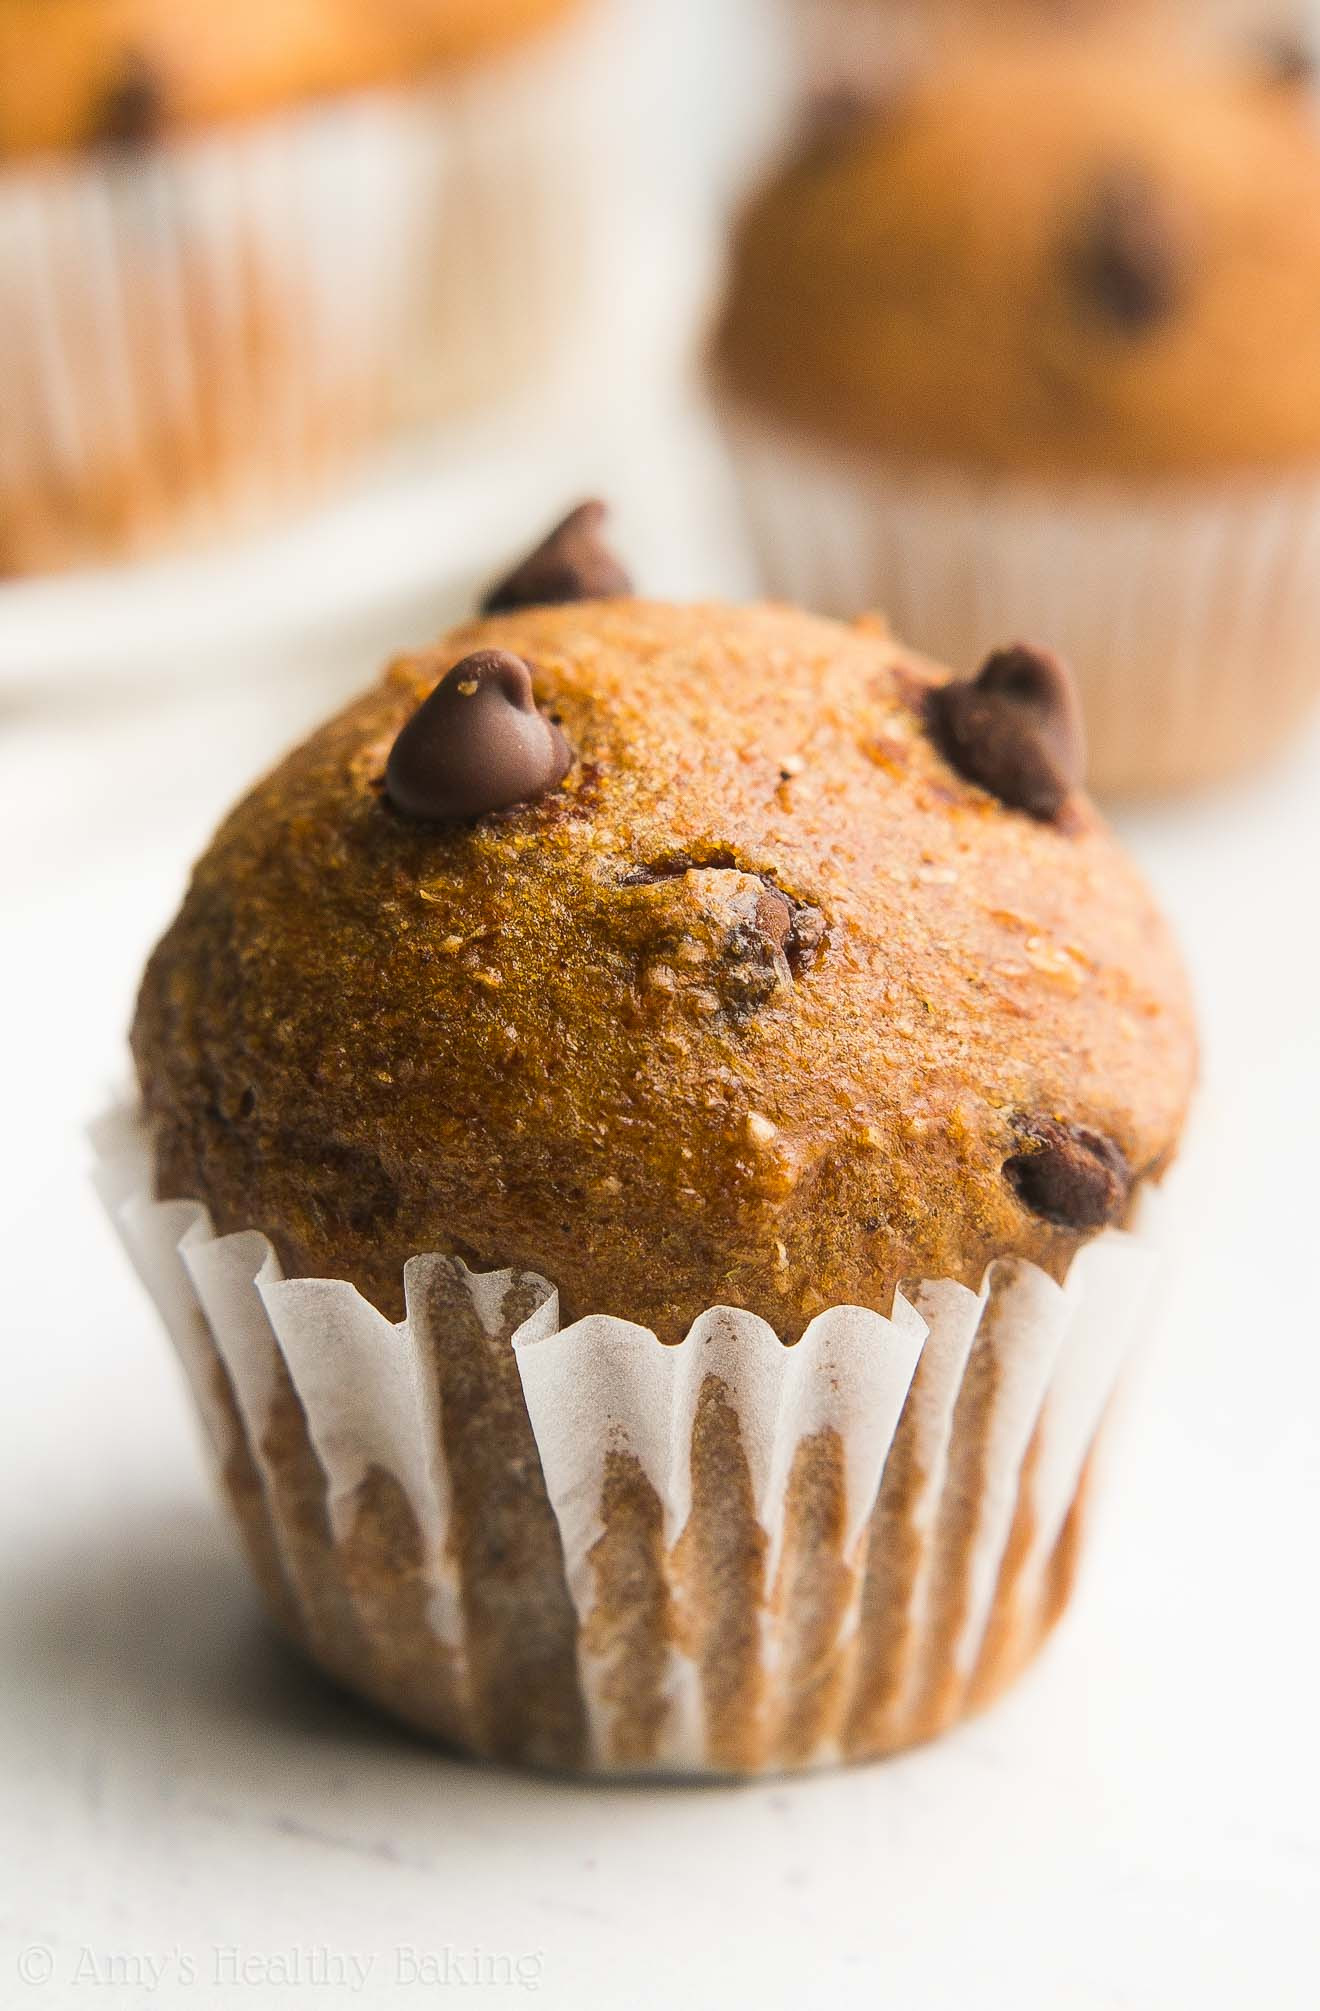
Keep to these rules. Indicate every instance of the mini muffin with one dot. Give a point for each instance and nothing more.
(1036, 344)
(740, 1059)
(228, 240)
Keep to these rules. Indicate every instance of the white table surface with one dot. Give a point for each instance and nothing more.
(1137, 1826)
(190, 1818)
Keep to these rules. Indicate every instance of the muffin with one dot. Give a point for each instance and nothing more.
(228, 241)
(747, 1096)
(1035, 344)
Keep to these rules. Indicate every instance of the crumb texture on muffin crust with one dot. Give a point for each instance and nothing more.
(766, 1005)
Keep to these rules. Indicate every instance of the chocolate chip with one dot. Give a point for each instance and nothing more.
(1288, 60)
(1127, 259)
(572, 564)
(476, 744)
(1015, 729)
(132, 112)
(835, 116)
(1068, 1175)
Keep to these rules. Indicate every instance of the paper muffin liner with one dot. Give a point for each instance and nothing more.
(195, 339)
(577, 1548)
(1190, 615)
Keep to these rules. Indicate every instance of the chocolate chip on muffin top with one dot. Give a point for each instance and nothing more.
(572, 563)
(132, 111)
(477, 744)
(1016, 728)
(1126, 259)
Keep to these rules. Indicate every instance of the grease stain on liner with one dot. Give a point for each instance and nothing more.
(725, 1557)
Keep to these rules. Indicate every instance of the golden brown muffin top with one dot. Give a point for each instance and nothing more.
(763, 1004)
(1058, 257)
(77, 73)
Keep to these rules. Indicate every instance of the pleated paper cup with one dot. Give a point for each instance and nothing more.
(200, 338)
(1190, 615)
(576, 1548)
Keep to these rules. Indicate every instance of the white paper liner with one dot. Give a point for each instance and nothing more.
(989, 1402)
(1191, 617)
(195, 339)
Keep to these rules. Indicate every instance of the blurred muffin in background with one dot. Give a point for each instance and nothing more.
(241, 244)
(1037, 344)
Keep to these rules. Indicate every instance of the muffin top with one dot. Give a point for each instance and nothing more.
(1053, 257)
(82, 73)
(678, 954)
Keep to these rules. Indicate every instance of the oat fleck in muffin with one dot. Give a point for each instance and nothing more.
(688, 957)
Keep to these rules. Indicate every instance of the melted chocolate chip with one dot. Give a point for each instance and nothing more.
(476, 744)
(1126, 259)
(572, 564)
(1065, 1174)
(1015, 729)
(132, 112)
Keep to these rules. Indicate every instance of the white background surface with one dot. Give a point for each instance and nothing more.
(190, 1818)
